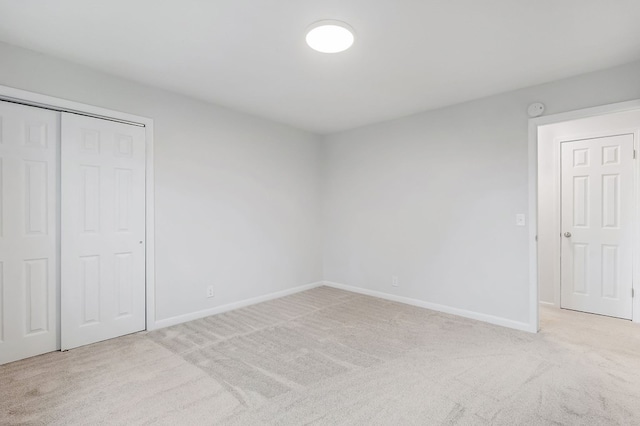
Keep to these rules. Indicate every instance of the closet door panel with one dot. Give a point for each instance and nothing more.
(103, 230)
(29, 146)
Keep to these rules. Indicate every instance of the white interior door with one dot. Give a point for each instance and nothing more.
(103, 230)
(597, 204)
(28, 231)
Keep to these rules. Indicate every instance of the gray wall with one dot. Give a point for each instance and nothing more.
(237, 197)
(432, 198)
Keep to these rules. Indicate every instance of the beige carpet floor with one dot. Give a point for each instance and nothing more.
(327, 356)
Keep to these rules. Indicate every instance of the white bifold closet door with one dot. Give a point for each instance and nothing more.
(28, 231)
(103, 230)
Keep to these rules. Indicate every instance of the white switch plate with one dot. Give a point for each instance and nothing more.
(394, 281)
(520, 220)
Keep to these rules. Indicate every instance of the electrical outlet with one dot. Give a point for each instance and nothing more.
(394, 281)
(210, 292)
(520, 219)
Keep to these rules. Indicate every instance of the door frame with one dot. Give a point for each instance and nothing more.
(49, 102)
(534, 164)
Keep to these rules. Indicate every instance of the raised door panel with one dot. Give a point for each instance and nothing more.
(611, 201)
(89, 199)
(579, 283)
(125, 282)
(89, 290)
(581, 201)
(36, 206)
(36, 286)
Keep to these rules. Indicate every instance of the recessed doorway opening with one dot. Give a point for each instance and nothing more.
(584, 181)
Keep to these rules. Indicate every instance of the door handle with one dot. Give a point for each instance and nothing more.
(567, 234)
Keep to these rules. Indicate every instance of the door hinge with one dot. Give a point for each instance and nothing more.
(633, 293)
(634, 154)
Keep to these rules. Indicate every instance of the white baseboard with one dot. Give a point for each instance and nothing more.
(167, 322)
(553, 305)
(440, 308)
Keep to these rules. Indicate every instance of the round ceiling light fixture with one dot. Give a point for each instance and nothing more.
(330, 36)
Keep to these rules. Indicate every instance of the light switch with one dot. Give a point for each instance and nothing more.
(520, 220)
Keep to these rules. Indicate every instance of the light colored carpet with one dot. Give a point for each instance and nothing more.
(327, 356)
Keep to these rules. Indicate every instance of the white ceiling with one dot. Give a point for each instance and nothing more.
(409, 55)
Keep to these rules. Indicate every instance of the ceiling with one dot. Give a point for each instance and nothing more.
(409, 55)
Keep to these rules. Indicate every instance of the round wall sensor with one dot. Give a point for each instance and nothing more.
(535, 109)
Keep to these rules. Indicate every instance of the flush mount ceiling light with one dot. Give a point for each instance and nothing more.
(329, 36)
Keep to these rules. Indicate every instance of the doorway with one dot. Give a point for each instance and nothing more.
(585, 241)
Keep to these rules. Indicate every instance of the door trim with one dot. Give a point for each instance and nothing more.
(49, 102)
(534, 124)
